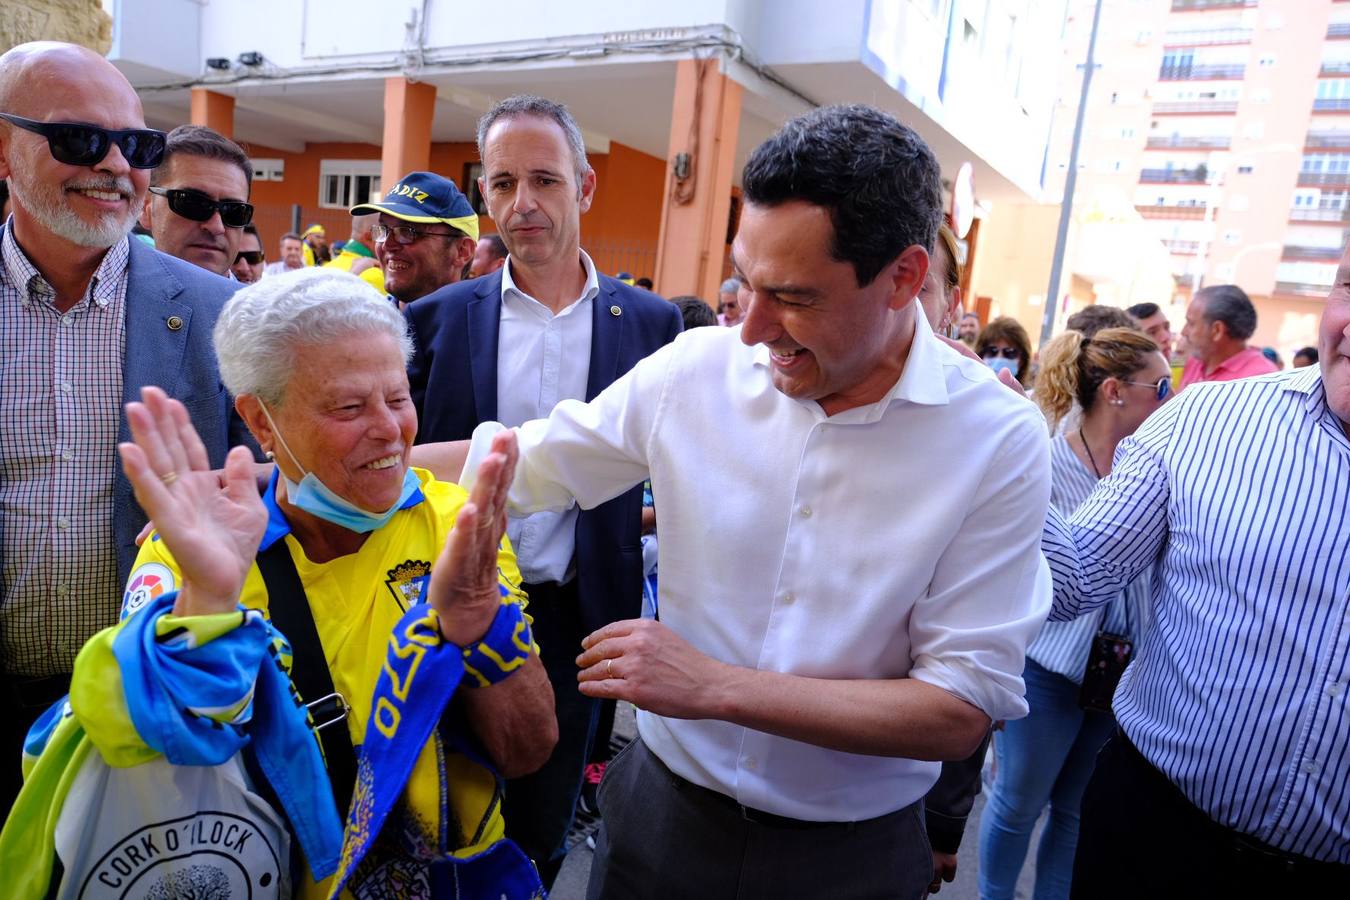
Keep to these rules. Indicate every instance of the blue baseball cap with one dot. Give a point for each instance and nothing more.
(425, 197)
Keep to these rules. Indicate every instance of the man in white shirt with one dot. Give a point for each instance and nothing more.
(858, 618)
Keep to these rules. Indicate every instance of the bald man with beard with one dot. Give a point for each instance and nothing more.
(87, 317)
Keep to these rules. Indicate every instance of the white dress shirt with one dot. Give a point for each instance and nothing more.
(541, 359)
(899, 539)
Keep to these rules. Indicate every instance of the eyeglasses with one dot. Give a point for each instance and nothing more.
(406, 234)
(1163, 387)
(86, 145)
(1005, 352)
(252, 257)
(199, 207)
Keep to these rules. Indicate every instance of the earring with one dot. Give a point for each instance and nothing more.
(270, 455)
(1117, 402)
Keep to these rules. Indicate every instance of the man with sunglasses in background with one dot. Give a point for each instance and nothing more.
(424, 237)
(87, 317)
(248, 259)
(198, 201)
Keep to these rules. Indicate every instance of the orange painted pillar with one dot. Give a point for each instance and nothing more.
(409, 108)
(214, 110)
(704, 123)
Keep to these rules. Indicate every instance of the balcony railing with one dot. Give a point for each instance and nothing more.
(1303, 288)
(1305, 214)
(1173, 176)
(1323, 179)
(1331, 139)
(1180, 142)
(1184, 5)
(1182, 248)
(1204, 37)
(1338, 30)
(1194, 107)
(1298, 251)
(1339, 104)
(1171, 212)
(1201, 73)
(1335, 67)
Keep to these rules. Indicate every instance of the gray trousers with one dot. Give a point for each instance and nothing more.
(662, 837)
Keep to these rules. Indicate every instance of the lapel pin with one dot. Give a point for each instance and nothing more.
(174, 323)
(615, 311)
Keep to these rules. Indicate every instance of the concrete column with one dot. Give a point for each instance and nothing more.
(704, 123)
(214, 110)
(409, 108)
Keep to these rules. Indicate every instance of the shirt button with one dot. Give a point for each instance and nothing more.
(1311, 767)
(750, 762)
(789, 597)
(67, 455)
(67, 319)
(1335, 688)
(63, 387)
(62, 590)
(63, 523)
(806, 512)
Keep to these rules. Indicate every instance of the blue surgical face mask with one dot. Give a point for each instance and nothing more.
(318, 499)
(998, 363)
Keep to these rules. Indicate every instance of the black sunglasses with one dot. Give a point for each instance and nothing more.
(199, 207)
(406, 234)
(1163, 388)
(252, 257)
(85, 145)
(1005, 352)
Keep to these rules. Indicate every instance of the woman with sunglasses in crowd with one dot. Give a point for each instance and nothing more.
(1003, 344)
(1117, 378)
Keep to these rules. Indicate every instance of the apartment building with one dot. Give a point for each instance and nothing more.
(334, 99)
(1227, 124)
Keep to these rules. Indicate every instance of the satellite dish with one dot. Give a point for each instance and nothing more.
(963, 200)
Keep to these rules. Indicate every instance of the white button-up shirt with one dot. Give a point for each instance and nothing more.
(895, 540)
(541, 359)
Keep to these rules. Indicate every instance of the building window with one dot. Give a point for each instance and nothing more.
(269, 169)
(343, 183)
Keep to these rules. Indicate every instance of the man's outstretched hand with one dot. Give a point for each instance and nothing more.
(211, 521)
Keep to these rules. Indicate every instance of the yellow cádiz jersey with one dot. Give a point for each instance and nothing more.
(356, 600)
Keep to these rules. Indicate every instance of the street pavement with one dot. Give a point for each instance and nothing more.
(571, 882)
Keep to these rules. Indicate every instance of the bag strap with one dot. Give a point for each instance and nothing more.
(288, 607)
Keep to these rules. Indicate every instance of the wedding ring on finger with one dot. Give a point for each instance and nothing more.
(609, 668)
(168, 478)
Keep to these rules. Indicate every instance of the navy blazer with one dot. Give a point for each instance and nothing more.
(163, 292)
(453, 376)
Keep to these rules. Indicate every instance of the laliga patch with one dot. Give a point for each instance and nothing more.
(149, 581)
(407, 581)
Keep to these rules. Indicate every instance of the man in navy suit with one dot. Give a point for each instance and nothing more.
(87, 316)
(507, 347)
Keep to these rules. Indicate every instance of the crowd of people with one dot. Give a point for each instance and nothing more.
(322, 576)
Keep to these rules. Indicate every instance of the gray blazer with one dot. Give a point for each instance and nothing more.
(163, 292)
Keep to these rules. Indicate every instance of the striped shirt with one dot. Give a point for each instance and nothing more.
(60, 402)
(1235, 495)
(1062, 647)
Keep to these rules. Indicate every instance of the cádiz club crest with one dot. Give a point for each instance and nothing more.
(408, 582)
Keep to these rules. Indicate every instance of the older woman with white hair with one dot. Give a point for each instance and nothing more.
(392, 588)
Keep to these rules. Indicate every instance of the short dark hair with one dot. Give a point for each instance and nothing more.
(1094, 318)
(645, 283)
(543, 108)
(252, 229)
(1142, 311)
(695, 312)
(1229, 304)
(198, 140)
(1309, 353)
(292, 236)
(496, 246)
(877, 179)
